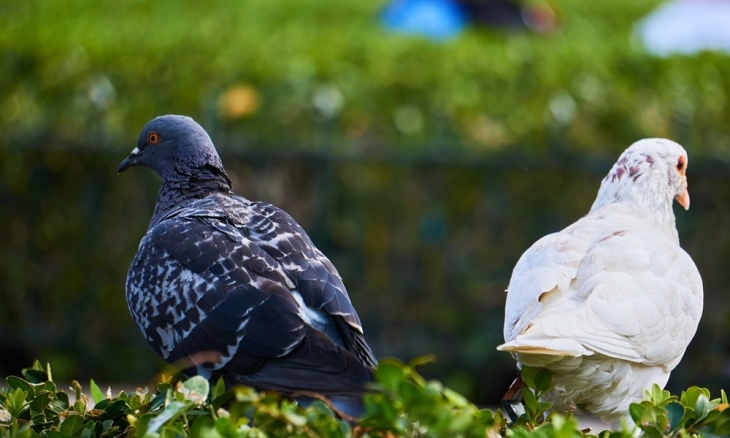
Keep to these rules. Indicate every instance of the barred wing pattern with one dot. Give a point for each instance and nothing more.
(243, 280)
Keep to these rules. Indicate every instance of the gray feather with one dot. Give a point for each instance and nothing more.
(217, 273)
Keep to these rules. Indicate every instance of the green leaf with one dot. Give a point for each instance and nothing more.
(113, 409)
(172, 410)
(61, 402)
(15, 402)
(201, 425)
(543, 379)
(455, 398)
(246, 394)
(142, 425)
(675, 414)
(563, 427)
(33, 375)
(722, 424)
(218, 389)
(702, 406)
(223, 398)
(390, 373)
(712, 416)
(530, 400)
(41, 401)
(637, 412)
(49, 386)
(80, 406)
(164, 386)
(656, 395)
(528, 376)
(55, 434)
(691, 395)
(652, 432)
(49, 374)
(195, 389)
(157, 400)
(422, 360)
(96, 394)
(134, 402)
(544, 406)
(38, 418)
(71, 425)
(169, 432)
(224, 427)
(87, 433)
(18, 383)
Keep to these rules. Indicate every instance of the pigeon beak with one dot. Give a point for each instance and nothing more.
(683, 196)
(132, 160)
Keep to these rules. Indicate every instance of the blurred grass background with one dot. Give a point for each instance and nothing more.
(422, 169)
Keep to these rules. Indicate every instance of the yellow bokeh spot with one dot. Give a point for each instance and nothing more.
(238, 102)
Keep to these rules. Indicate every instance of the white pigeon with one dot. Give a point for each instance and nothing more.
(610, 303)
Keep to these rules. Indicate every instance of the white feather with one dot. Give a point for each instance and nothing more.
(610, 303)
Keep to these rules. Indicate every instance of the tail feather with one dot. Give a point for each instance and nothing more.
(347, 407)
(546, 347)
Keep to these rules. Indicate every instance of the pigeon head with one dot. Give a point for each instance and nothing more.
(651, 172)
(170, 144)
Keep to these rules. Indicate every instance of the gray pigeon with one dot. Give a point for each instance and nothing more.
(236, 288)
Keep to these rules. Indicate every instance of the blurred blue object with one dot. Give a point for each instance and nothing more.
(444, 19)
(435, 19)
(687, 27)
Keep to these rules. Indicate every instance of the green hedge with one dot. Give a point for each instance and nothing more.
(318, 75)
(401, 404)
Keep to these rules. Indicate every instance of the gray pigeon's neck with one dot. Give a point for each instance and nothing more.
(180, 189)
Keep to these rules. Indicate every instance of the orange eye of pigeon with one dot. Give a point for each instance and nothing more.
(153, 138)
(680, 164)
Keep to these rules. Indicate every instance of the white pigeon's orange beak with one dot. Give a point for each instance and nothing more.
(683, 196)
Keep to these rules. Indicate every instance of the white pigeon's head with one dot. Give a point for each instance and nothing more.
(649, 175)
(173, 143)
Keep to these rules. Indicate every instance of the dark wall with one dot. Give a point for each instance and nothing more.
(426, 249)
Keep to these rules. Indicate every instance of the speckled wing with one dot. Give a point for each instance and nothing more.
(633, 294)
(204, 280)
(316, 278)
